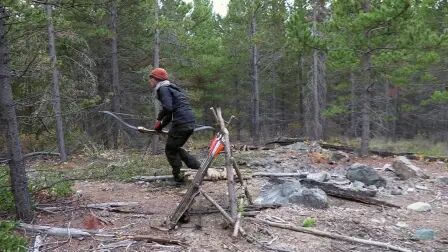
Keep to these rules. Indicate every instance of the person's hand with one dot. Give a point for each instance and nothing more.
(158, 126)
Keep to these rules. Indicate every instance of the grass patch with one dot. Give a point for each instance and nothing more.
(9, 240)
(309, 222)
(418, 145)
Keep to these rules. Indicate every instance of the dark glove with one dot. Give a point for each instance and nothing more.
(158, 126)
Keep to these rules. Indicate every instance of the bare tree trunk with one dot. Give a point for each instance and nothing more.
(255, 84)
(301, 84)
(56, 100)
(353, 119)
(156, 59)
(317, 85)
(367, 83)
(19, 181)
(237, 108)
(116, 104)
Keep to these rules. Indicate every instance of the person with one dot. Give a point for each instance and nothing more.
(177, 110)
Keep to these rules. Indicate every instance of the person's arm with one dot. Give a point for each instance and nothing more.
(167, 119)
(166, 99)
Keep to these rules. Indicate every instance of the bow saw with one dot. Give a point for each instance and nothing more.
(146, 130)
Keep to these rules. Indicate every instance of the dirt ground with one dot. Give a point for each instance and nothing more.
(208, 232)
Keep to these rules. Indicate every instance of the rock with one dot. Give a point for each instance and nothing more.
(320, 176)
(401, 224)
(420, 187)
(299, 146)
(358, 184)
(425, 234)
(404, 169)
(310, 197)
(443, 180)
(396, 191)
(372, 187)
(339, 156)
(419, 207)
(365, 174)
(292, 192)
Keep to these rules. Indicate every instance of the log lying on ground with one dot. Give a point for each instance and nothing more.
(249, 208)
(107, 206)
(270, 174)
(364, 196)
(80, 233)
(332, 235)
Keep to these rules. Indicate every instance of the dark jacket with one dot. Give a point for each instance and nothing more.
(175, 106)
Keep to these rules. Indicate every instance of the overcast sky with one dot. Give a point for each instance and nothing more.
(219, 6)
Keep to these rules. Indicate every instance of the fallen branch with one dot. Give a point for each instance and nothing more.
(108, 205)
(79, 233)
(57, 231)
(270, 174)
(247, 209)
(38, 242)
(364, 196)
(332, 235)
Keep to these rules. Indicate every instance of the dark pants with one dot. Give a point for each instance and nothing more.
(176, 154)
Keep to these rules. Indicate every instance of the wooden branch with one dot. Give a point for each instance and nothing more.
(229, 169)
(57, 231)
(221, 210)
(77, 233)
(242, 182)
(247, 209)
(364, 196)
(38, 242)
(159, 240)
(152, 178)
(192, 192)
(108, 205)
(270, 174)
(332, 235)
(237, 225)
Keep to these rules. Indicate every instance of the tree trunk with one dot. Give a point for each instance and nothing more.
(255, 84)
(19, 181)
(116, 103)
(56, 100)
(353, 119)
(237, 108)
(155, 61)
(317, 86)
(367, 83)
(301, 83)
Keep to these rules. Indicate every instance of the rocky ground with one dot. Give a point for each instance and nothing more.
(421, 227)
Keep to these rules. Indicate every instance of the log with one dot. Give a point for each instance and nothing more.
(159, 240)
(108, 205)
(192, 192)
(242, 182)
(364, 196)
(229, 169)
(248, 209)
(38, 242)
(221, 210)
(332, 235)
(237, 225)
(270, 174)
(152, 178)
(57, 231)
(78, 233)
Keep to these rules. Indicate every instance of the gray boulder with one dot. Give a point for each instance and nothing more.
(404, 169)
(292, 192)
(320, 176)
(365, 174)
(419, 207)
(443, 180)
(424, 234)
